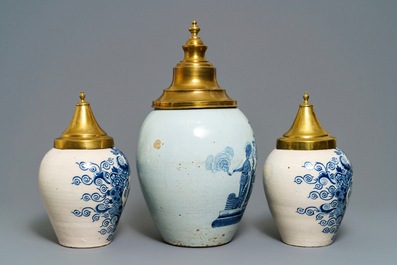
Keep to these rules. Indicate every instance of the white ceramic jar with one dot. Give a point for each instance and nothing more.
(84, 183)
(307, 182)
(196, 158)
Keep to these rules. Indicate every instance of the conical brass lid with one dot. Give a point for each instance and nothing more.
(83, 131)
(194, 84)
(306, 133)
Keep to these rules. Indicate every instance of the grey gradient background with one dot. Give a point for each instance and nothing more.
(267, 53)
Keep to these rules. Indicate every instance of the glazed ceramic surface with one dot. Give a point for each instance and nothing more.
(307, 193)
(84, 192)
(196, 169)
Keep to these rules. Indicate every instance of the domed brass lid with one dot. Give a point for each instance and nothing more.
(194, 84)
(306, 132)
(83, 131)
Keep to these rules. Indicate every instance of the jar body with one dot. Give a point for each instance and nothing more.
(196, 169)
(307, 192)
(84, 193)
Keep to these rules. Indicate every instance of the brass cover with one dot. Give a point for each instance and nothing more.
(194, 84)
(306, 133)
(83, 131)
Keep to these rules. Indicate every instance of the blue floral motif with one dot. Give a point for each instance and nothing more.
(333, 186)
(235, 204)
(111, 177)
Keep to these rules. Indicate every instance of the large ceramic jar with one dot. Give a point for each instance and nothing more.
(84, 182)
(196, 156)
(307, 182)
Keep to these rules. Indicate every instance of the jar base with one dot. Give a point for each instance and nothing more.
(183, 245)
(83, 246)
(307, 244)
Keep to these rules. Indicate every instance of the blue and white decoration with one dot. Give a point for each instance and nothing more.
(333, 186)
(235, 204)
(111, 177)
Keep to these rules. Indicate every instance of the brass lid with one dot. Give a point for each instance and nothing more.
(306, 132)
(83, 131)
(194, 84)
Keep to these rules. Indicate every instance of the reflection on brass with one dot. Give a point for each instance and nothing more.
(306, 133)
(83, 131)
(194, 84)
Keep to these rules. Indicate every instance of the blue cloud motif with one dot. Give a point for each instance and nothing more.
(111, 177)
(221, 161)
(333, 186)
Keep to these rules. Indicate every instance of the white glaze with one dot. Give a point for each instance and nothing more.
(182, 194)
(62, 194)
(284, 194)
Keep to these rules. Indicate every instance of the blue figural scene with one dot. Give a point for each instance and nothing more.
(111, 177)
(235, 204)
(333, 186)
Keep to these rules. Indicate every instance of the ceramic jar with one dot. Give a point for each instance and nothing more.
(84, 182)
(307, 181)
(196, 156)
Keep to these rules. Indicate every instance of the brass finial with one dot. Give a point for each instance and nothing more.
(305, 98)
(306, 133)
(83, 131)
(194, 84)
(82, 96)
(194, 29)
